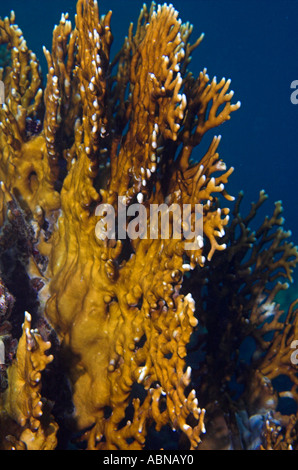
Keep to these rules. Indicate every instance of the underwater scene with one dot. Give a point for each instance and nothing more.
(148, 226)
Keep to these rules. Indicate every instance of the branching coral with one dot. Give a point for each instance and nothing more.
(22, 400)
(116, 305)
(240, 319)
(115, 133)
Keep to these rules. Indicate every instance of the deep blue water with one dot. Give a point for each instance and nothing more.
(255, 43)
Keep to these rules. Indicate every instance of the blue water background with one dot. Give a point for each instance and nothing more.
(255, 43)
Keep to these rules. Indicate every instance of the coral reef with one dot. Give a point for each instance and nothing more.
(131, 337)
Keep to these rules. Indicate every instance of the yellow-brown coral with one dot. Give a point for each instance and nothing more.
(22, 404)
(116, 306)
(24, 165)
(116, 133)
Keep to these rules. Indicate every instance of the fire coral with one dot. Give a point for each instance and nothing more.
(113, 313)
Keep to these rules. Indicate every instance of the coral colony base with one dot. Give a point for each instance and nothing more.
(133, 342)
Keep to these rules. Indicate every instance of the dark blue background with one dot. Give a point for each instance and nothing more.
(255, 43)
